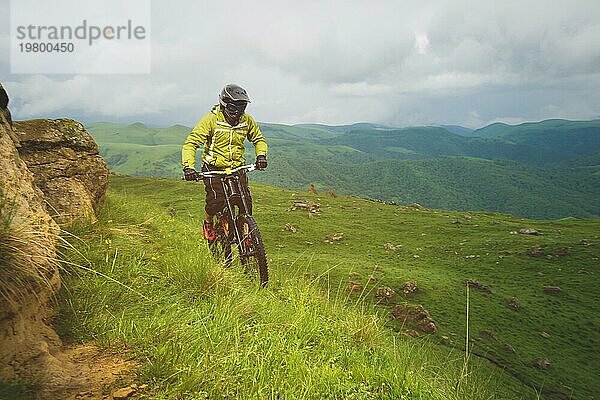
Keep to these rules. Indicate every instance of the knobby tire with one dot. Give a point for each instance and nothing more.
(252, 243)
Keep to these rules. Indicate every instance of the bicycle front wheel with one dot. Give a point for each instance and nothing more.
(252, 249)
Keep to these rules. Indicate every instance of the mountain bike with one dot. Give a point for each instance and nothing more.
(236, 225)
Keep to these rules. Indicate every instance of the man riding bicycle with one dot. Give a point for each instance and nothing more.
(222, 132)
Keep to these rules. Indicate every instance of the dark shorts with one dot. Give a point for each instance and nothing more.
(215, 197)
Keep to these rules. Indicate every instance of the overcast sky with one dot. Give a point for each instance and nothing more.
(398, 63)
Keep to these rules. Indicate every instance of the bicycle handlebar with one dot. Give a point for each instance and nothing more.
(228, 171)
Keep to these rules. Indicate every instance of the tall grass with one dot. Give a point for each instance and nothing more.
(203, 331)
(27, 261)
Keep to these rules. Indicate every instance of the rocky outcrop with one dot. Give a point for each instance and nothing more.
(5, 114)
(29, 275)
(67, 167)
(47, 162)
(4, 111)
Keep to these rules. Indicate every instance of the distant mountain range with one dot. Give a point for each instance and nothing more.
(548, 169)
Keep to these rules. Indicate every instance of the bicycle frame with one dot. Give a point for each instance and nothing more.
(248, 239)
(230, 180)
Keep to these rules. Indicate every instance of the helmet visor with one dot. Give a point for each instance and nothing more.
(235, 107)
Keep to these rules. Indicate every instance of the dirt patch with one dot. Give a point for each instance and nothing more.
(488, 335)
(32, 352)
(354, 287)
(541, 251)
(312, 208)
(409, 288)
(552, 289)
(414, 316)
(529, 231)
(334, 238)
(479, 286)
(89, 373)
(541, 363)
(290, 228)
(513, 303)
(385, 293)
(535, 251)
(391, 246)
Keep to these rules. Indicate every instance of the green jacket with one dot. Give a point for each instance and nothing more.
(223, 143)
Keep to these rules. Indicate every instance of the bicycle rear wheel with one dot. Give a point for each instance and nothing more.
(252, 249)
(221, 246)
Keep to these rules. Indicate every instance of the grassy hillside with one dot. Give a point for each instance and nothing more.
(339, 129)
(428, 142)
(458, 130)
(571, 138)
(138, 133)
(458, 183)
(139, 159)
(297, 132)
(427, 165)
(201, 330)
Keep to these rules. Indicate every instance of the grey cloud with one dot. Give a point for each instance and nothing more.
(347, 61)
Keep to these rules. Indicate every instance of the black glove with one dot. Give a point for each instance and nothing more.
(261, 162)
(190, 174)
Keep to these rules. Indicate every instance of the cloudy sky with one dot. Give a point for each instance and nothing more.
(397, 63)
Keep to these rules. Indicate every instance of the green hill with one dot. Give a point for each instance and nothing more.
(427, 165)
(428, 142)
(459, 130)
(339, 129)
(136, 149)
(571, 138)
(457, 183)
(296, 132)
(492, 130)
(201, 331)
(138, 133)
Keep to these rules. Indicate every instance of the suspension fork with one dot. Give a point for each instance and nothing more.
(226, 182)
(244, 201)
(243, 211)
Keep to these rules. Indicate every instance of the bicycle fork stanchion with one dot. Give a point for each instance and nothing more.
(232, 189)
(229, 188)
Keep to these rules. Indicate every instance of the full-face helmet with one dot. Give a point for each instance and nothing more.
(233, 100)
